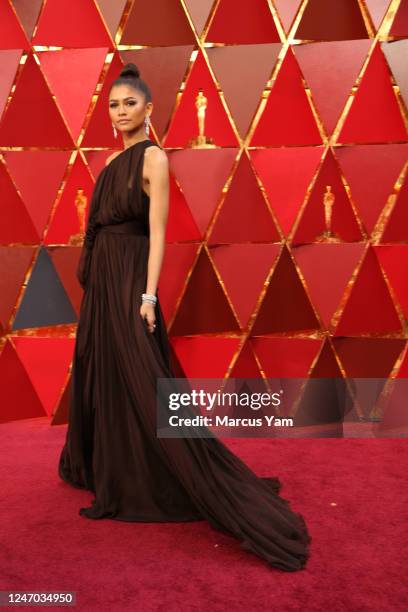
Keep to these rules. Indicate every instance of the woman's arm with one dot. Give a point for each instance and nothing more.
(157, 172)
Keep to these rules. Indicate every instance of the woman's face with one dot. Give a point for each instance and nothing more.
(127, 108)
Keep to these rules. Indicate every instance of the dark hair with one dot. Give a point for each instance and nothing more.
(130, 75)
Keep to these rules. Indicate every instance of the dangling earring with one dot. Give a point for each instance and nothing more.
(147, 124)
(115, 132)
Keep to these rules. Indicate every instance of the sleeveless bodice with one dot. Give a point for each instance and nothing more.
(118, 196)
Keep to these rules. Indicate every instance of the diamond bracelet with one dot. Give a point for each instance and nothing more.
(148, 297)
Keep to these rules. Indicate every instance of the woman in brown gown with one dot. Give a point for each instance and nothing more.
(121, 349)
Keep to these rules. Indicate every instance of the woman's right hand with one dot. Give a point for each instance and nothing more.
(148, 314)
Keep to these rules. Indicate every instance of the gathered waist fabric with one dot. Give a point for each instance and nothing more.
(132, 226)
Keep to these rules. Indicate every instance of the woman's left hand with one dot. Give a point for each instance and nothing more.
(147, 312)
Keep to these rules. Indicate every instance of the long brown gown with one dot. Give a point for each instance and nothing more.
(111, 446)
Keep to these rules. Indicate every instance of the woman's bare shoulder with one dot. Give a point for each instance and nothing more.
(156, 156)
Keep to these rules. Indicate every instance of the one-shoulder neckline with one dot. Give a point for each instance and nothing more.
(128, 149)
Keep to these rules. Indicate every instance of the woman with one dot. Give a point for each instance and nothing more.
(122, 348)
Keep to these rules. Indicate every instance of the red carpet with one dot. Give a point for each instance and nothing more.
(359, 545)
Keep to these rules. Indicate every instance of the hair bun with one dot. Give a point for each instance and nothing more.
(130, 70)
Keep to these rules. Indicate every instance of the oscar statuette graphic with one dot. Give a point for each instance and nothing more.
(328, 203)
(80, 203)
(201, 141)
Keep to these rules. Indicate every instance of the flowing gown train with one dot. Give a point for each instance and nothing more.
(111, 446)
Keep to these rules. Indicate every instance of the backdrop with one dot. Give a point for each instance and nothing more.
(306, 108)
